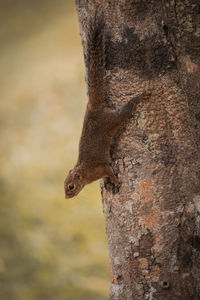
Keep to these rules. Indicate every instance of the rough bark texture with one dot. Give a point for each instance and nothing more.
(153, 222)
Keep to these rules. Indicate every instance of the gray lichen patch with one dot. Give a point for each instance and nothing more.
(142, 120)
(175, 132)
(152, 145)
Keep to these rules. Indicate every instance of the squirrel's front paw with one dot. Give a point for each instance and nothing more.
(114, 180)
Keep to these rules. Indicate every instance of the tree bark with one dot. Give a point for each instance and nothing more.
(153, 221)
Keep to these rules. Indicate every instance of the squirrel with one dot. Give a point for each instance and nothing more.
(100, 123)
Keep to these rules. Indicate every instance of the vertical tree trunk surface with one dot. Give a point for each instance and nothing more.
(153, 221)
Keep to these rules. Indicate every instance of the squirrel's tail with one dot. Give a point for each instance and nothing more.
(95, 59)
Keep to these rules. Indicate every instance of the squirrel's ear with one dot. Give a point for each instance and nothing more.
(78, 176)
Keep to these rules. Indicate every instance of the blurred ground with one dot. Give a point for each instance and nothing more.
(50, 248)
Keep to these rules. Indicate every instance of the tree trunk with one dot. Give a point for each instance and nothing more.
(153, 221)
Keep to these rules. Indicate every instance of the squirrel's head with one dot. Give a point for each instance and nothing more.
(74, 183)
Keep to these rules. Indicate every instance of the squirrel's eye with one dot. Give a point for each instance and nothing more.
(71, 186)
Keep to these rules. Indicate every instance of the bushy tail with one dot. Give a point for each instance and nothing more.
(95, 59)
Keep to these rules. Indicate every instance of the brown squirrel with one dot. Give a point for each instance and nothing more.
(100, 123)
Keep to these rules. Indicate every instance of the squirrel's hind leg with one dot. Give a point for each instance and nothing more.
(118, 117)
(125, 111)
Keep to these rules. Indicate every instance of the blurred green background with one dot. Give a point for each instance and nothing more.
(50, 248)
